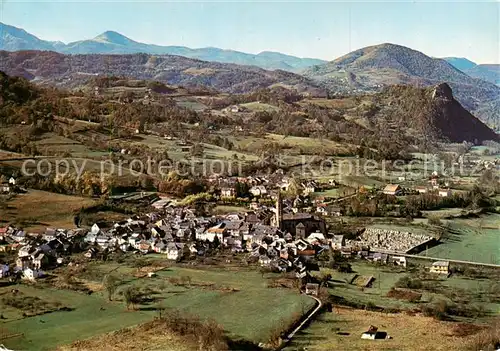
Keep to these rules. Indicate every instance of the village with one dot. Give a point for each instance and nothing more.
(281, 234)
(323, 239)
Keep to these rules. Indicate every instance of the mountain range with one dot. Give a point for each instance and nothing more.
(369, 69)
(488, 72)
(372, 68)
(74, 71)
(15, 39)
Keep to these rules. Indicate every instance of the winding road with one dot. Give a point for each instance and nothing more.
(305, 321)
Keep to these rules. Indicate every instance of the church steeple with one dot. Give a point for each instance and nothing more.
(279, 211)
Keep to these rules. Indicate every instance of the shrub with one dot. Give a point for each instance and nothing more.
(466, 329)
(409, 283)
(209, 334)
(442, 310)
(435, 221)
(437, 310)
(407, 295)
(488, 339)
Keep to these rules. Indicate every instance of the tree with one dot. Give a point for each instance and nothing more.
(216, 242)
(197, 150)
(110, 283)
(132, 296)
(242, 190)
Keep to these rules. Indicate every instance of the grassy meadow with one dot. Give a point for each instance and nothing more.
(342, 329)
(37, 209)
(236, 298)
(474, 239)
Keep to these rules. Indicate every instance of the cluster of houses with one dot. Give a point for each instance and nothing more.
(35, 253)
(275, 237)
(397, 190)
(7, 187)
(284, 237)
(262, 186)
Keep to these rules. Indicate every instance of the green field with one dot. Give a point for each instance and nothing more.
(476, 239)
(259, 106)
(84, 321)
(238, 299)
(38, 209)
(386, 278)
(327, 193)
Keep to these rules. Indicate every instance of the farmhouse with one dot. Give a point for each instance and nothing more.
(227, 192)
(392, 189)
(372, 334)
(4, 270)
(440, 267)
(338, 242)
(258, 190)
(444, 192)
(312, 289)
(5, 187)
(32, 274)
(422, 189)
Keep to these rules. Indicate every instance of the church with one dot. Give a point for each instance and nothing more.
(300, 225)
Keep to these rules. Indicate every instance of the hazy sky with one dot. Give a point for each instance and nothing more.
(324, 30)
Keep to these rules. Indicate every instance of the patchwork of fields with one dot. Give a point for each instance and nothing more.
(476, 239)
(239, 300)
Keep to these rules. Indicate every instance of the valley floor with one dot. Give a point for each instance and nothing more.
(342, 329)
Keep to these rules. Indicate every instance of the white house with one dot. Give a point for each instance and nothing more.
(4, 270)
(399, 260)
(258, 190)
(174, 251)
(315, 237)
(227, 192)
(338, 241)
(211, 233)
(264, 260)
(5, 188)
(444, 192)
(95, 229)
(440, 267)
(372, 334)
(309, 187)
(32, 274)
(91, 253)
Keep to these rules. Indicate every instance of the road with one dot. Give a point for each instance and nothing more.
(305, 321)
(395, 253)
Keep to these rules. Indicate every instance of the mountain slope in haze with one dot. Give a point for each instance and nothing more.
(13, 38)
(110, 42)
(72, 71)
(460, 63)
(487, 72)
(115, 43)
(371, 68)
